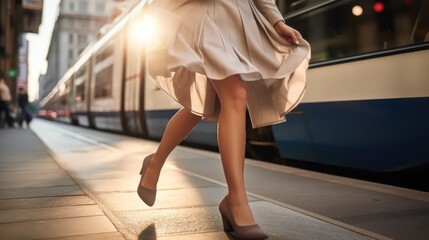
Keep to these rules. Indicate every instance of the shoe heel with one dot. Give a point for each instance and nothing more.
(147, 195)
(226, 224)
(145, 163)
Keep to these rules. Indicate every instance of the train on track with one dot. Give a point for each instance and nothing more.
(366, 105)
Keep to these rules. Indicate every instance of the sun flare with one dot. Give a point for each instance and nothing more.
(143, 29)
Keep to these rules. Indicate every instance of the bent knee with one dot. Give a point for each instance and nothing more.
(236, 99)
(232, 92)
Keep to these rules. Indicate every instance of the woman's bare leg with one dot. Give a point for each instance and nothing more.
(232, 93)
(179, 126)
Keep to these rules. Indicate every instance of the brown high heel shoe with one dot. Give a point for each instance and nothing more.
(248, 232)
(147, 195)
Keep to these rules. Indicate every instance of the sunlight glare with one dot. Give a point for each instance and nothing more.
(143, 29)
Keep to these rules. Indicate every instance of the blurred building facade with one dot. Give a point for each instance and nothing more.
(16, 18)
(78, 24)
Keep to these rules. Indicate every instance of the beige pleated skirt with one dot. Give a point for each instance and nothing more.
(198, 41)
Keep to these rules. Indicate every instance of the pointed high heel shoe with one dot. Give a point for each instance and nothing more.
(147, 195)
(246, 232)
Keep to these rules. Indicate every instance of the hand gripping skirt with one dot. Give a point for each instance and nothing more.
(198, 41)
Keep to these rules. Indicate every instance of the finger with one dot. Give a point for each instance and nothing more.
(295, 38)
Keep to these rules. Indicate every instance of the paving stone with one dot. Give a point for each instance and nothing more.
(283, 223)
(167, 222)
(39, 200)
(170, 179)
(21, 183)
(34, 175)
(188, 223)
(205, 236)
(189, 197)
(28, 167)
(56, 228)
(416, 221)
(173, 179)
(9, 204)
(100, 236)
(40, 158)
(40, 192)
(24, 215)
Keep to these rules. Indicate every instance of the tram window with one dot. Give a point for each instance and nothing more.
(288, 6)
(103, 83)
(68, 86)
(335, 30)
(64, 100)
(421, 29)
(80, 92)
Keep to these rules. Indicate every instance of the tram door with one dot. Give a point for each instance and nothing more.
(133, 84)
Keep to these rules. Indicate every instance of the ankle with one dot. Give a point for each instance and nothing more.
(237, 200)
(156, 166)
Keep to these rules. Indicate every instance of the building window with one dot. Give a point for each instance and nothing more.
(83, 7)
(82, 39)
(99, 24)
(71, 38)
(82, 23)
(71, 6)
(100, 7)
(71, 54)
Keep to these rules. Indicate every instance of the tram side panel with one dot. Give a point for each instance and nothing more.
(54, 106)
(63, 101)
(133, 82)
(370, 114)
(81, 96)
(367, 88)
(159, 108)
(105, 103)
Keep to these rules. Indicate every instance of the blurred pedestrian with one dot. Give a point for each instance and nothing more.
(5, 98)
(24, 114)
(217, 58)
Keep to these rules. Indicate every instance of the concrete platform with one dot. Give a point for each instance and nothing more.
(98, 175)
(39, 200)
